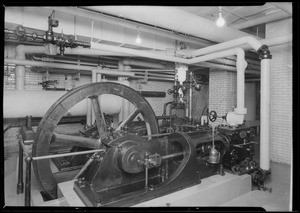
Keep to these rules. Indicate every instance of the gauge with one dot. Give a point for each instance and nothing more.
(243, 134)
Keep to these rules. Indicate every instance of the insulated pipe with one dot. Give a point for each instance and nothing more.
(265, 19)
(142, 63)
(66, 66)
(233, 63)
(18, 103)
(85, 51)
(253, 42)
(273, 41)
(139, 53)
(265, 114)
(173, 19)
(224, 67)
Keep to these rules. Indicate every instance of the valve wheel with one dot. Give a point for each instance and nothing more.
(213, 116)
(46, 135)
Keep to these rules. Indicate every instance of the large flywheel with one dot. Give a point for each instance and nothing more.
(46, 136)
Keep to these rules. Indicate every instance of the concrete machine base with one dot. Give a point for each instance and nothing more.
(212, 191)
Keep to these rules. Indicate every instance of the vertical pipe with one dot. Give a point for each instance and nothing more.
(28, 161)
(20, 185)
(241, 65)
(264, 114)
(20, 69)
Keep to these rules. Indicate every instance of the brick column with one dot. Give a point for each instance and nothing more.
(222, 92)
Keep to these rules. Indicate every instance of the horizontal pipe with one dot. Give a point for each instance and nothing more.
(85, 51)
(228, 68)
(65, 66)
(233, 63)
(253, 42)
(139, 53)
(142, 63)
(273, 41)
(18, 104)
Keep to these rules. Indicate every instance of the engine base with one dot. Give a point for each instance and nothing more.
(213, 191)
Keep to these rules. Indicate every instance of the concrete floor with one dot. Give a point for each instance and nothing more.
(278, 200)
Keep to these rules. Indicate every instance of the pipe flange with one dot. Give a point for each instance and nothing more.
(264, 52)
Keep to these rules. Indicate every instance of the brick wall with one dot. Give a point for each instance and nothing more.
(157, 104)
(222, 92)
(281, 113)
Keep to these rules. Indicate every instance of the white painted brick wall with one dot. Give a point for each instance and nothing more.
(281, 114)
(222, 92)
(157, 104)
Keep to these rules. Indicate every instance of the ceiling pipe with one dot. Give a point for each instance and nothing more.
(139, 53)
(81, 12)
(261, 20)
(285, 6)
(250, 40)
(284, 39)
(173, 19)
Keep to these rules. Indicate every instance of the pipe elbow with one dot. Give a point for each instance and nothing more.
(253, 42)
(264, 52)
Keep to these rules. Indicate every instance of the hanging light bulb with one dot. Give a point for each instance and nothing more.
(220, 21)
(138, 39)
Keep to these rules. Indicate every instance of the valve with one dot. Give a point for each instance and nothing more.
(213, 116)
(20, 32)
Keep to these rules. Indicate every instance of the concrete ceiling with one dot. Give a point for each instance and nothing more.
(235, 14)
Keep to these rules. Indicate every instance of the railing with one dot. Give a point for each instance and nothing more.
(29, 159)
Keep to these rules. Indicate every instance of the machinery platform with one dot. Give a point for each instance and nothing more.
(212, 191)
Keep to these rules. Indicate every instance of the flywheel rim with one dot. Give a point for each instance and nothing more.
(54, 114)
